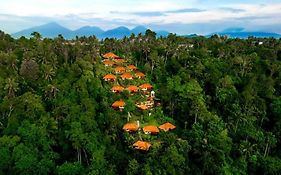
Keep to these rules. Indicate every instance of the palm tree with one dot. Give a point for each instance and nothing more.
(11, 86)
(51, 91)
(49, 73)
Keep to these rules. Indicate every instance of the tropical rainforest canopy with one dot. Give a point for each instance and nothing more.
(223, 95)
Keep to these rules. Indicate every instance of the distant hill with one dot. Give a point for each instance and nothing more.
(118, 32)
(88, 31)
(191, 35)
(162, 33)
(53, 29)
(49, 30)
(240, 32)
(248, 34)
(139, 29)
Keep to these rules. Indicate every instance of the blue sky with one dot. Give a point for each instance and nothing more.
(179, 16)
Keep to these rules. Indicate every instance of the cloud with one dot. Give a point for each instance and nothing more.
(186, 10)
(233, 10)
(159, 13)
(140, 13)
(177, 15)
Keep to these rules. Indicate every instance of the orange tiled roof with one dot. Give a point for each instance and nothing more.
(142, 107)
(132, 67)
(120, 69)
(150, 129)
(126, 76)
(139, 74)
(119, 60)
(110, 55)
(141, 145)
(131, 127)
(146, 86)
(118, 104)
(109, 77)
(132, 88)
(107, 62)
(167, 126)
(117, 88)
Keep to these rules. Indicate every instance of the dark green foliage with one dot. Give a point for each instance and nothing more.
(222, 94)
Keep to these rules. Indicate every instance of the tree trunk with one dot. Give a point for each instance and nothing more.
(79, 158)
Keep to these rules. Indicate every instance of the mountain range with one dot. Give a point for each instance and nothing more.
(241, 33)
(51, 30)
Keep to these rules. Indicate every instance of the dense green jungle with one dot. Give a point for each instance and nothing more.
(222, 94)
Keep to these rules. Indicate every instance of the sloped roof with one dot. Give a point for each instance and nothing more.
(110, 55)
(130, 127)
(117, 88)
(132, 88)
(119, 60)
(142, 107)
(141, 145)
(107, 62)
(151, 129)
(167, 126)
(109, 76)
(132, 67)
(120, 69)
(118, 104)
(146, 86)
(126, 75)
(139, 74)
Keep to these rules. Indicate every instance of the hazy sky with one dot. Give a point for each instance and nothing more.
(180, 16)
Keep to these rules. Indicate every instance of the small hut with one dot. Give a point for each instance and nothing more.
(139, 75)
(120, 70)
(109, 77)
(150, 129)
(146, 87)
(108, 63)
(132, 89)
(167, 127)
(117, 89)
(119, 61)
(130, 127)
(110, 55)
(132, 67)
(118, 105)
(127, 76)
(141, 145)
(142, 107)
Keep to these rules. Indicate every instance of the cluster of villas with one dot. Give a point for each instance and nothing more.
(130, 72)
